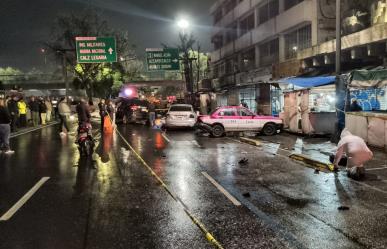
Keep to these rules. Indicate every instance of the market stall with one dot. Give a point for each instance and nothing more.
(309, 105)
(369, 87)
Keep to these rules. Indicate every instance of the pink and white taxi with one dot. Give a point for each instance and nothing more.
(238, 119)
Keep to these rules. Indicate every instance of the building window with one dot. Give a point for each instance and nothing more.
(290, 3)
(230, 5)
(215, 71)
(269, 52)
(218, 15)
(217, 41)
(268, 11)
(247, 24)
(248, 96)
(297, 41)
(231, 33)
(248, 60)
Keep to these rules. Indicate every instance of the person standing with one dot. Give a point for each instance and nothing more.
(83, 112)
(64, 114)
(14, 112)
(5, 128)
(102, 112)
(244, 104)
(355, 107)
(22, 107)
(34, 107)
(42, 111)
(49, 107)
(152, 113)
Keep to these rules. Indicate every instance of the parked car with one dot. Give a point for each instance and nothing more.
(238, 119)
(180, 115)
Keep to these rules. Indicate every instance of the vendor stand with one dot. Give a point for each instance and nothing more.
(369, 87)
(309, 105)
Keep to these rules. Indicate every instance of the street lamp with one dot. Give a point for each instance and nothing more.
(183, 24)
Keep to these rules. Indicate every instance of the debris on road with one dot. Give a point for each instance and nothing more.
(343, 208)
(247, 195)
(243, 161)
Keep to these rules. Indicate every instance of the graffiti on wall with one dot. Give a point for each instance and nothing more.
(371, 99)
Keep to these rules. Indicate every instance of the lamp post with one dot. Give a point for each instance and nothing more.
(183, 24)
(338, 37)
(340, 87)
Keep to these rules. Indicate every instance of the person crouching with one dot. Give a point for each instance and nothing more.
(357, 153)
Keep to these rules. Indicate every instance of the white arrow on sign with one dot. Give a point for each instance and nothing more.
(110, 51)
(175, 60)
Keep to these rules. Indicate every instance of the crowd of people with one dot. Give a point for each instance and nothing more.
(32, 111)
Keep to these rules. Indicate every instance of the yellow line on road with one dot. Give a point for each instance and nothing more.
(197, 222)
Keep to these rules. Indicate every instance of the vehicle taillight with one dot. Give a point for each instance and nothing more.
(134, 108)
(191, 116)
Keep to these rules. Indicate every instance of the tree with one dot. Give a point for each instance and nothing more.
(185, 46)
(11, 74)
(91, 77)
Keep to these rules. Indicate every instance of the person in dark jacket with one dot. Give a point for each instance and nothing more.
(355, 107)
(13, 111)
(102, 112)
(5, 128)
(34, 107)
(83, 112)
(42, 111)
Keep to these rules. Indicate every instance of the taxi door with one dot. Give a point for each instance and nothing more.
(246, 120)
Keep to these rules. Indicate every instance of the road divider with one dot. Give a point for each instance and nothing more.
(250, 141)
(312, 162)
(222, 190)
(8, 215)
(210, 238)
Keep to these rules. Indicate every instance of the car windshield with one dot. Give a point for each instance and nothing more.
(179, 108)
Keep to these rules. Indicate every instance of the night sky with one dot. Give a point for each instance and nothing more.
(24, 24)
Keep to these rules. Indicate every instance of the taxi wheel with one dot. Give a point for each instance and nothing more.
(269, 130)
(217, 130)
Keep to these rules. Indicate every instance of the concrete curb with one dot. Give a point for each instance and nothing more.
(250, 141)
(312, 162)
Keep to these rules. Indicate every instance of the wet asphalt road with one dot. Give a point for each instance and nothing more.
(121, 205)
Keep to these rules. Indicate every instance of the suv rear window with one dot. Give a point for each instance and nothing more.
(180, 109)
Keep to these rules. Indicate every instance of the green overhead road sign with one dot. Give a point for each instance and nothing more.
(163, 59)
(96, 49)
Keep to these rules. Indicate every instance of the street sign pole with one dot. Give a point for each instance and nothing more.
(64, 65)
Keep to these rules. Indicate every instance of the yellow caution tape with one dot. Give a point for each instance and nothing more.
(199, 224)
